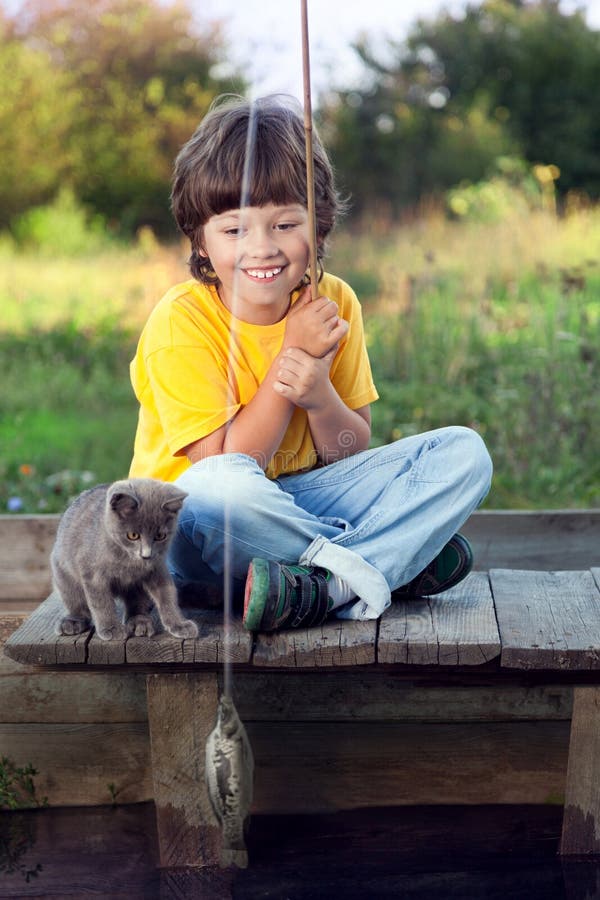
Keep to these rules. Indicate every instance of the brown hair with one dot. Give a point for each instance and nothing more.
(209, 170)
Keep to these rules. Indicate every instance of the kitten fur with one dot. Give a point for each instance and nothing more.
(111, 542)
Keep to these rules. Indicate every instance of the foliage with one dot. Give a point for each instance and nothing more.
(17, 788)
(490, 324)
(506, 78)
(67, 414)
(62, 227)
(538, 68)
(109, 90)
(17, 791)
(513, 190)
(37, 106)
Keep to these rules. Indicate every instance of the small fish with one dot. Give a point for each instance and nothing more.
(229, 779)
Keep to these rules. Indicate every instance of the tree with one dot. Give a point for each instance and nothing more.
(539, 70)
(514, 78)
(143, 76)
(36, 109)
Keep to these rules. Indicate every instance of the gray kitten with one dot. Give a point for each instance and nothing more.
(112, 542)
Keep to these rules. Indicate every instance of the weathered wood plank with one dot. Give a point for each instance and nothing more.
(104, 852)
(36, 643)
(305, 767)
(25, 545)
(181, 714)
(524, 539)
(9, 622)
(77, 763)
(359, 765)
(534, 539)
(79, 697)
(215, 642)
(374, 696)
(457, 627)
(581, 821)
(336, 643)
(547, 620)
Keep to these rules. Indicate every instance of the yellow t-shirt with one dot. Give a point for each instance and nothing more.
(196, 365)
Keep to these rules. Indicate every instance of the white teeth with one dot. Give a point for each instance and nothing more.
(264, 273)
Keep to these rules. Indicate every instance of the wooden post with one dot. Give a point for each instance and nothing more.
(181, 713)
(581, 822)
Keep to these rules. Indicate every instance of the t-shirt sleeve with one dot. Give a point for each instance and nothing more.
(351, 370)
(191, 394)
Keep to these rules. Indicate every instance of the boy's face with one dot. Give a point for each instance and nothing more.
(260, 254)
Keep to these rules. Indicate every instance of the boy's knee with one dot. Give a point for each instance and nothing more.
(475, 455)
(224, 482)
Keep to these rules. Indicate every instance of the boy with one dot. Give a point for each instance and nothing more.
(255, 400)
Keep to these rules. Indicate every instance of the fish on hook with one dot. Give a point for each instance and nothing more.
(229, 780)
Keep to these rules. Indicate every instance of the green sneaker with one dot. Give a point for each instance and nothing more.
(451, 565)
(279, 596)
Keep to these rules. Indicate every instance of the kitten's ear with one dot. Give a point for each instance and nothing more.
(122, 499)
(174, 501)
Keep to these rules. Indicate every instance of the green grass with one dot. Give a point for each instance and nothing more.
(67, 413)
(494, 326)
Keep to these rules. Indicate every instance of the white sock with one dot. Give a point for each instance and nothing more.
(339, 591)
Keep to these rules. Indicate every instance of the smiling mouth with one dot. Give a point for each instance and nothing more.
(264, 274)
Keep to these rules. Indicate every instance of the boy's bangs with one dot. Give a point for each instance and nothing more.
(277, 176)
(275, 180)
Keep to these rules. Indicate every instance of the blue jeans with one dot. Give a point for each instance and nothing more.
(376, 519)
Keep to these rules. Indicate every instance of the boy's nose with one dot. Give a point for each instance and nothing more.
(261, 244)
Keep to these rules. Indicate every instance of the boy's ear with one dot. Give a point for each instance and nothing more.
(200, 242)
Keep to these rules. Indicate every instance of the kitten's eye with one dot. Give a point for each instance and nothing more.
(133, 536)
(160, 536)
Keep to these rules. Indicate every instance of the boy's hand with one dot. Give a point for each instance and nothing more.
(314, 325)
(303, 378)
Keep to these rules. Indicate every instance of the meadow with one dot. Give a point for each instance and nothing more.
(495, 325)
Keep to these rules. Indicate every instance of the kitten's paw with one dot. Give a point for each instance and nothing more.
(184, 629)
(141, 626)
(73, 625)
(116, 632)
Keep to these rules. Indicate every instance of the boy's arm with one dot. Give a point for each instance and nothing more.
(257, 429)
(337, 431)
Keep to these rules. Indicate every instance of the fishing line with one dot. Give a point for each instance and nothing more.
(228, 586)
(229, 763)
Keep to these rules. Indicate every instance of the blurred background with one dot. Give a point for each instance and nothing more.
(467, 140)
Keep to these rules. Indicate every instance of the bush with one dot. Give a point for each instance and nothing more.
(63, 227)
(513, 190)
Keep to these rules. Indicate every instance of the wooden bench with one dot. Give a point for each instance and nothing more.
(497, 630)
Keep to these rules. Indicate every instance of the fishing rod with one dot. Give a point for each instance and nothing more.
(310, 174)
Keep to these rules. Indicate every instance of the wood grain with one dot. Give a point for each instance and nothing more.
(36, 641)
(534, 539)
(581, 822)
(323, 767)
(181, 713)
(25, 545)
(77, 763)
(547, 620)
(336, 643)
(370, 696)
(457, 627)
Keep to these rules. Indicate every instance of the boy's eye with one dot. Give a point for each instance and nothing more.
(285, 226)
(233, 232)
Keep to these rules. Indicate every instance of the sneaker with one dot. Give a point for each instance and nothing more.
(280, 596)
(451, 565)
